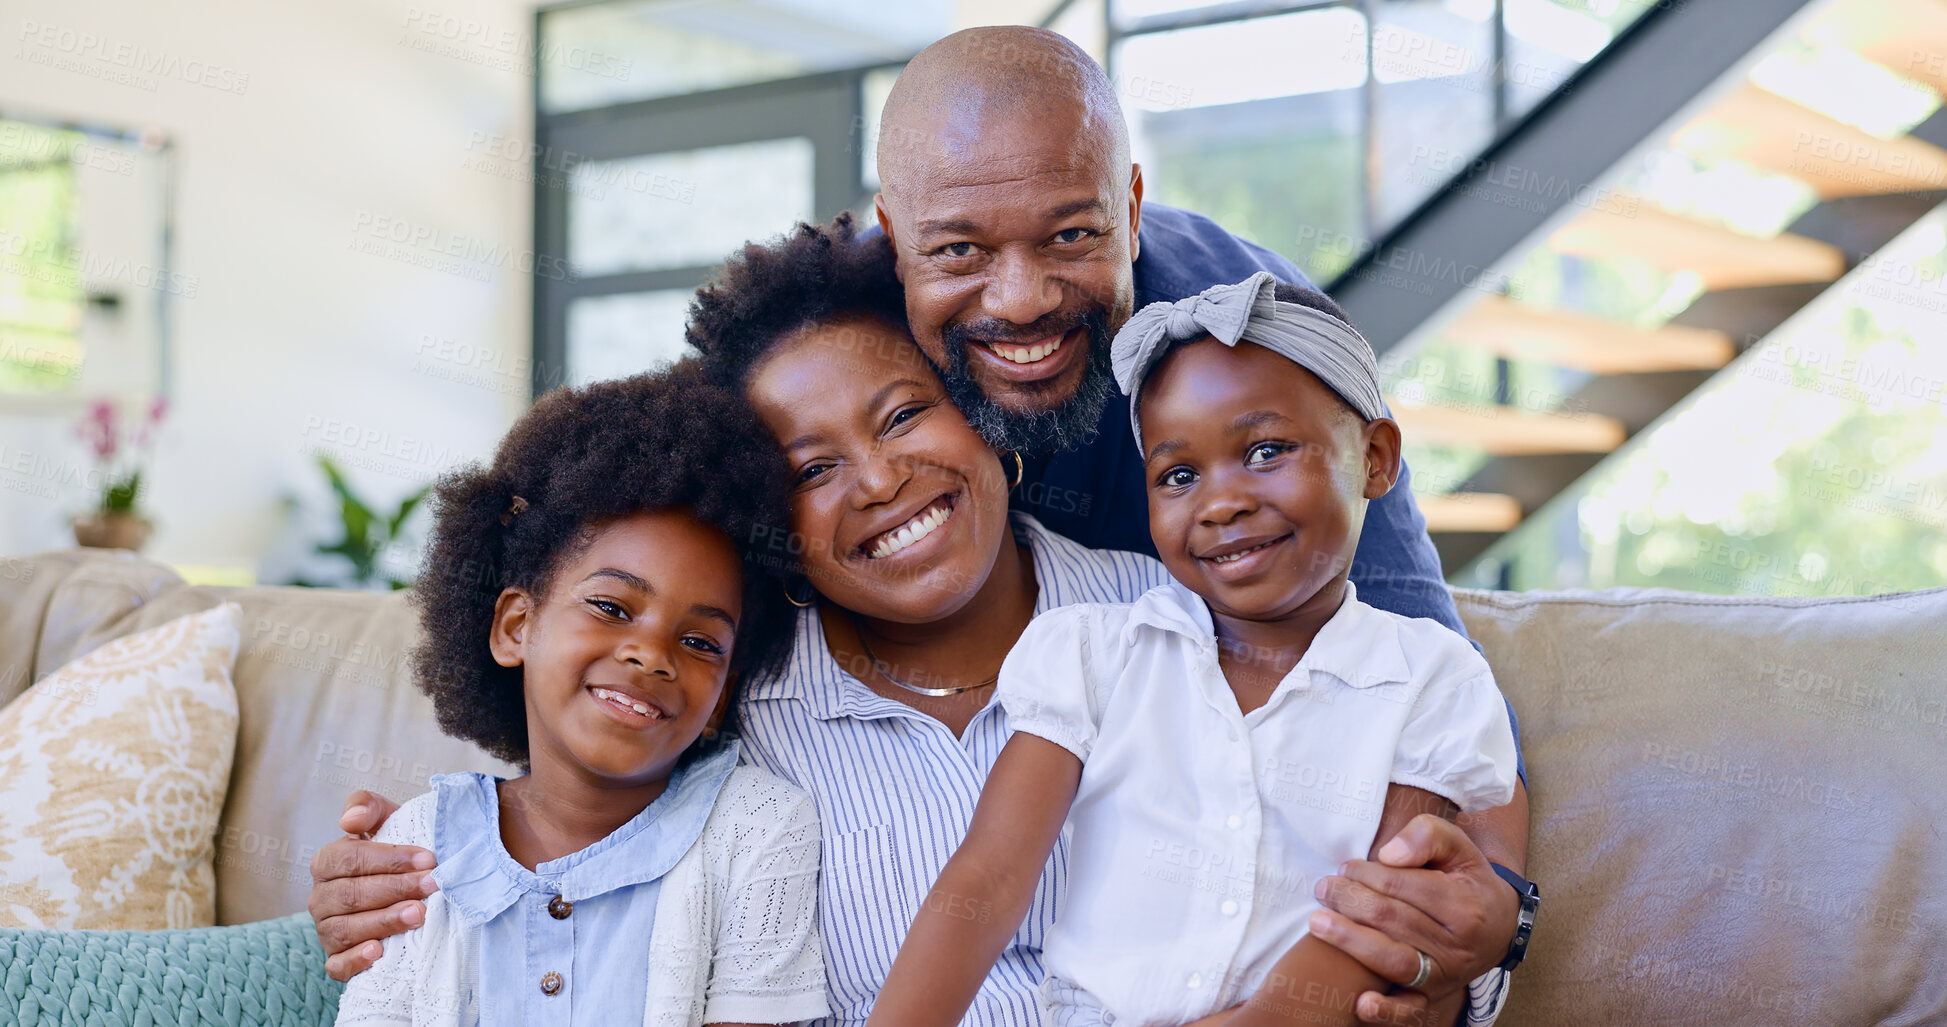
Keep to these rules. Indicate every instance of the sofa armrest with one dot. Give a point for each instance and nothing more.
(59, 605)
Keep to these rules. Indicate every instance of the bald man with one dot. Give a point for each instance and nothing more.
(1022, 241)
(1021, 237)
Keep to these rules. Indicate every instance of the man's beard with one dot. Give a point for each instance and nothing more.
(1068, 425)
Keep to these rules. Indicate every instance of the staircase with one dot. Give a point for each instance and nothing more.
(1727, 283)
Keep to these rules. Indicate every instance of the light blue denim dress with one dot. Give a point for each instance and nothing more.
(567, 943)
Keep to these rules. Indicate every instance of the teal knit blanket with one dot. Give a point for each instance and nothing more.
(270, 972)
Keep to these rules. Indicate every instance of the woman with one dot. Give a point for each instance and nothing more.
(914, 580)
(922, 583)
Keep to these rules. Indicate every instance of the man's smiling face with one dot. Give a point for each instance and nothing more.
(1014, 224)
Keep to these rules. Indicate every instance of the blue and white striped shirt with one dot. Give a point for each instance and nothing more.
(896, 790)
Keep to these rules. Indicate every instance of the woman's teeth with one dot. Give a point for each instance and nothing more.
(1240, 554)
(614, 697)
(912, 531)
(1027, 354)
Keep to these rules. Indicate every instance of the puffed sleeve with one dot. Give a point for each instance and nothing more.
(1457, 743)
(1054, 682)
(769, 963)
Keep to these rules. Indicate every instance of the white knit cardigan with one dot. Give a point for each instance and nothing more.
(735, 940)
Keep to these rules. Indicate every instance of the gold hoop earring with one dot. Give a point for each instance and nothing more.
(793, 600)
(1019, 471)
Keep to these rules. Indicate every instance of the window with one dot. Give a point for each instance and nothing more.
(1312, 128)
(84, 264)
(1816, 464)
(41, 296)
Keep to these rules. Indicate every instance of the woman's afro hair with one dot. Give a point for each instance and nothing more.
(579, 458)
(767, 291)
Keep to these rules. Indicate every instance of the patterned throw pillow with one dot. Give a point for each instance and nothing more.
(112, 775)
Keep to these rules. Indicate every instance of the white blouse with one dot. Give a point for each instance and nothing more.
(1199, 831)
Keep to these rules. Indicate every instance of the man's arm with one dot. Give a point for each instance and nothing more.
(986, 888)
(364, 891)
(1429, 889)
(1315, 983)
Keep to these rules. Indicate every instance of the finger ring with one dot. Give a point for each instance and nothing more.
(1426, 971)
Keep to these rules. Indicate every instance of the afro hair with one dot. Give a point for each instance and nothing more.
(578, 458)
(767, 291)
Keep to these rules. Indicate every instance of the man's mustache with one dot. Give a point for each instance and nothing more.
(990, 329)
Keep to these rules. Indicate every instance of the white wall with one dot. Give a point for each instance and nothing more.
(346, 129)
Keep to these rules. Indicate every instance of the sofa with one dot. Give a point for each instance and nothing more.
(1738, 802)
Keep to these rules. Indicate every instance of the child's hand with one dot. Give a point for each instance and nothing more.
(363, 891)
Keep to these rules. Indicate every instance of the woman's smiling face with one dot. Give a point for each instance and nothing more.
(899, 507)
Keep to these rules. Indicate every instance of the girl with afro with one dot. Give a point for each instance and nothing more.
(587, 611)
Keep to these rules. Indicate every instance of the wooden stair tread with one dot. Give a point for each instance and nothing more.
(1469, 511)
(1507, 431)
(1760, 127)
(1907, 37)
(1586, 343)
(1723, 258)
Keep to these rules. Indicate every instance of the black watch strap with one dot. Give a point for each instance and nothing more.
(1525, 924)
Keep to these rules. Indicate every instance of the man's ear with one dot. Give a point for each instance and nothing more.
(507, 640)
(1382, 456)
(1135, 209)
(885, 225)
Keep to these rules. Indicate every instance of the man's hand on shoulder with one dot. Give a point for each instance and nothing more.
(364, 891)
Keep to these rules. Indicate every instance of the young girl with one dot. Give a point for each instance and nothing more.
(585, 608)
(1233, 736)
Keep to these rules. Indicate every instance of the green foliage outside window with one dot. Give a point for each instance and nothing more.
(1815, 465)
(41, 298)
(1297, 196)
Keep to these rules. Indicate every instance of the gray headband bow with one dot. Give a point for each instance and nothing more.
(1248, 311)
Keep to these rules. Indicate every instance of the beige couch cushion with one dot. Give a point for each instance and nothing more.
(1737, 804)
(326, 702)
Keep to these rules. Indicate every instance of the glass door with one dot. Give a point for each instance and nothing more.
(638, 203)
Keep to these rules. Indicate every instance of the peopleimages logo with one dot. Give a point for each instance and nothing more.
(510, 157)
(24, 146)
(449, 252)
(87, 53)
(467, 39)
(47, 260)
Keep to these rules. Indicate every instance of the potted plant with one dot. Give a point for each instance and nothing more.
(117, 522)
(369, 533)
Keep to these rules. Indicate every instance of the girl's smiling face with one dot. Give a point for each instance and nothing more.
(899, 506)
(624, 659)
(1258, 476)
